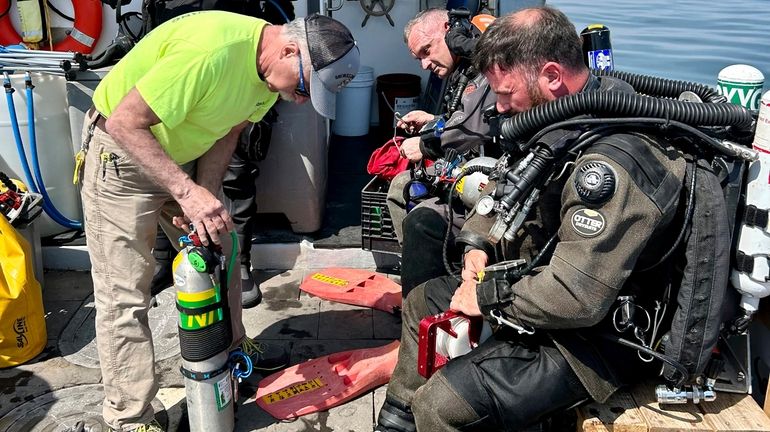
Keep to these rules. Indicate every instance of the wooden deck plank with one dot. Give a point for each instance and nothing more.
(638, 411)
(735, 412)
(767, 399)
(669, 418)
(618, 414)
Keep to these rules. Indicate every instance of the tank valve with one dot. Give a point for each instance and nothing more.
(677, 396)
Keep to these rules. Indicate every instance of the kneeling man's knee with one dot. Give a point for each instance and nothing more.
(437, 406)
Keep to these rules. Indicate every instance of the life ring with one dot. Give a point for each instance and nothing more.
(83, 36)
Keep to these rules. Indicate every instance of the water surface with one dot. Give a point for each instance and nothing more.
(680, 39)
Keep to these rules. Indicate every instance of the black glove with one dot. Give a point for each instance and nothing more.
(430, 139)
(430, 147)
(460, 41)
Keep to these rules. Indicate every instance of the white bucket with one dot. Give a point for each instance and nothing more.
(52, 129)
(354, 104)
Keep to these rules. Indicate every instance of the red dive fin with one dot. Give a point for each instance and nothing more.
(326, 382)
(356, 287)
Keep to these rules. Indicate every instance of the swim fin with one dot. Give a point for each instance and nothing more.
(354, 286)
(326, 382)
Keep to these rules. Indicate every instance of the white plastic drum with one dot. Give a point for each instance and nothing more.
(292, 178)
(53, 143)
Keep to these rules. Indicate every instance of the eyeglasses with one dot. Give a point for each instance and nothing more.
(301, 90)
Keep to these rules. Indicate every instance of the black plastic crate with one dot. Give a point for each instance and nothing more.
(377, 233)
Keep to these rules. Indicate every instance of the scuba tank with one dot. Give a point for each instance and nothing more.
(751, 273)
(741, 84)
(470, 186)
(597, 49)
(205, 333)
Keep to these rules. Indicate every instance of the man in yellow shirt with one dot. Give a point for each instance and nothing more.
(158, 139)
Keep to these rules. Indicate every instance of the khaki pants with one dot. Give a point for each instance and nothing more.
(122, 209)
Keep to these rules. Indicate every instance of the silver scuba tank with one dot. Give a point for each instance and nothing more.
(205, 337)
(469, 188)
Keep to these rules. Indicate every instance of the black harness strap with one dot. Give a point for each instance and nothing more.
(755, 217)
(202, 376)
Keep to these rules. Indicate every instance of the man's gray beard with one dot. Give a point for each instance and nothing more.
(287, 96)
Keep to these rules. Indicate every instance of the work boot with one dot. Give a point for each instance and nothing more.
(164, 256)
(251, 295)
(395, 417)
(265, 357)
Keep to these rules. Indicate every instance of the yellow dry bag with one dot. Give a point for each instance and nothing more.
(22, 320)
(31, 20)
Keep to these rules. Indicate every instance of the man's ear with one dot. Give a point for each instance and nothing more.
(552, 76)
(289, 50)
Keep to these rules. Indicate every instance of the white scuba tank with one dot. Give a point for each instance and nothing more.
(751, 278)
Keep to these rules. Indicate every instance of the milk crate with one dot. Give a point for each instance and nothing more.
(377, 233)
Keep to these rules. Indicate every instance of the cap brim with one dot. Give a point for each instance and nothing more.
(330, 79)
(324, 101)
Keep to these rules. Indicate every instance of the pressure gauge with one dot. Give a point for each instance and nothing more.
(485, 205)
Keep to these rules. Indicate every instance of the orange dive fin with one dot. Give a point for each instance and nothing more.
(354, 286)
(326, 382)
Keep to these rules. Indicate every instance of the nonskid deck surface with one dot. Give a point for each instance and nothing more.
(38, 395)
(43, 392)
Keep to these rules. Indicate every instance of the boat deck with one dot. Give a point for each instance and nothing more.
(307, 326)
(39, 395)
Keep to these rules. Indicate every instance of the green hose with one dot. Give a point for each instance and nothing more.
(233, 253)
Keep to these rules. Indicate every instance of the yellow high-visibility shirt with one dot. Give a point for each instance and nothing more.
(198, 73)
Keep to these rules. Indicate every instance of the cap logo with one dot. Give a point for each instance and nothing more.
(343, 80)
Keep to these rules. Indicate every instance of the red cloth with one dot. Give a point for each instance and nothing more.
(386, 162)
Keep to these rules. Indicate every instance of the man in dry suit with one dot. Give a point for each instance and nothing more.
(443, 49)
(596, 240)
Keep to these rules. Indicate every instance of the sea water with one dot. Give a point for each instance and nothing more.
(680, 39)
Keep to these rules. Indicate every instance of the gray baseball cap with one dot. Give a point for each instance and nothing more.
(335, 59)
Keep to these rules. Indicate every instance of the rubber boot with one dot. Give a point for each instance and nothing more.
(251, 294)
(395, 417)
(164, 254)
